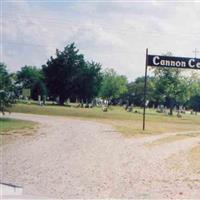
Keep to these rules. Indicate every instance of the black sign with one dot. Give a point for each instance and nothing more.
(173, 62)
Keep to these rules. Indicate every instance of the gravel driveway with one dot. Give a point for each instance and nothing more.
(71, 158)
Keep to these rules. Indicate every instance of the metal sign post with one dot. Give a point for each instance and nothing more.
(145, 90)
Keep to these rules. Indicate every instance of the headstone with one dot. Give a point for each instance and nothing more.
(86, 105)
(44, 99)
(129, 109)
(179, 115)
(39, 100)
(125, 106)
(105, 108)
(166, 112)
(57, 100)
(160, 109)
(93, 103)
(68, 101)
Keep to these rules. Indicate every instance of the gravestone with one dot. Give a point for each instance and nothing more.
(44, 99)
(57, 100)
(129, 109)
(160, 109)
(39, 100)
(104, 108)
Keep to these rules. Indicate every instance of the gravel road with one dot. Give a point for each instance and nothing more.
(72, 158)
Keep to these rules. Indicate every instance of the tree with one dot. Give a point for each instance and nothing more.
(6, 97)
(32, 78)
(113, 85)
(38, 88)
(135, 93)
(170, 87)
(88, 83)
(68, 75)
(63, 72)
(195, 103)
(194, 89)
(194, 84)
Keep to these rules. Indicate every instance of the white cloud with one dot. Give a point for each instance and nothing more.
(115, 34)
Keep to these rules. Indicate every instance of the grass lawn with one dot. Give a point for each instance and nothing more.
(126, 123)
(10, 129)
(8, 125)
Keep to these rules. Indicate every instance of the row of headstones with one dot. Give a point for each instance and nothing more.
(42, 100)
(127, 107)
(179, 111)
(162, 109)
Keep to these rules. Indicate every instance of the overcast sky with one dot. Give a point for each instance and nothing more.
(114, 33)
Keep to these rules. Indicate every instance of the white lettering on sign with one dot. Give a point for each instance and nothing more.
(155, 59)
(173, 62)
(198, 65)
(191, 63)
(169, 63)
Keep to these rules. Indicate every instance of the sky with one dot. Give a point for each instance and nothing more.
(113, 33)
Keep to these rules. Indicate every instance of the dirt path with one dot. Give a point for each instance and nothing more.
(71, 158)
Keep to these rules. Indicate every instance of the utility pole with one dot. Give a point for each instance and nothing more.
(196, 52)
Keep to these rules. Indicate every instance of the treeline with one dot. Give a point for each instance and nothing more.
(67, 75)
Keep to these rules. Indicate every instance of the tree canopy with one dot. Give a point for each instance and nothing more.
(31, 77)
(68, 75)
(135, 93)
(113, 85)
(6, 88)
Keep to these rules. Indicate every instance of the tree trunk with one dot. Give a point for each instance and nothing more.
(171, 110)
(61, 101)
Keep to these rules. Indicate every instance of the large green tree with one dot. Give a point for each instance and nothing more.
(113, 85)
(194, 84)
(88, 84)
(194, 90)
(135, 93)
(69, 75)
(194, 103)
(170, 87)
(62, 72)
(32, 78)
(6, 89)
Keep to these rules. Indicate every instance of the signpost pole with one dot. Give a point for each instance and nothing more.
(145, 90)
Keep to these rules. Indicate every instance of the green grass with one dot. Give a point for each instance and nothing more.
(8, 125)
(126, 123)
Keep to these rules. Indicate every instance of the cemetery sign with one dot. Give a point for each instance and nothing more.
(26, 92)
(173, 62)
